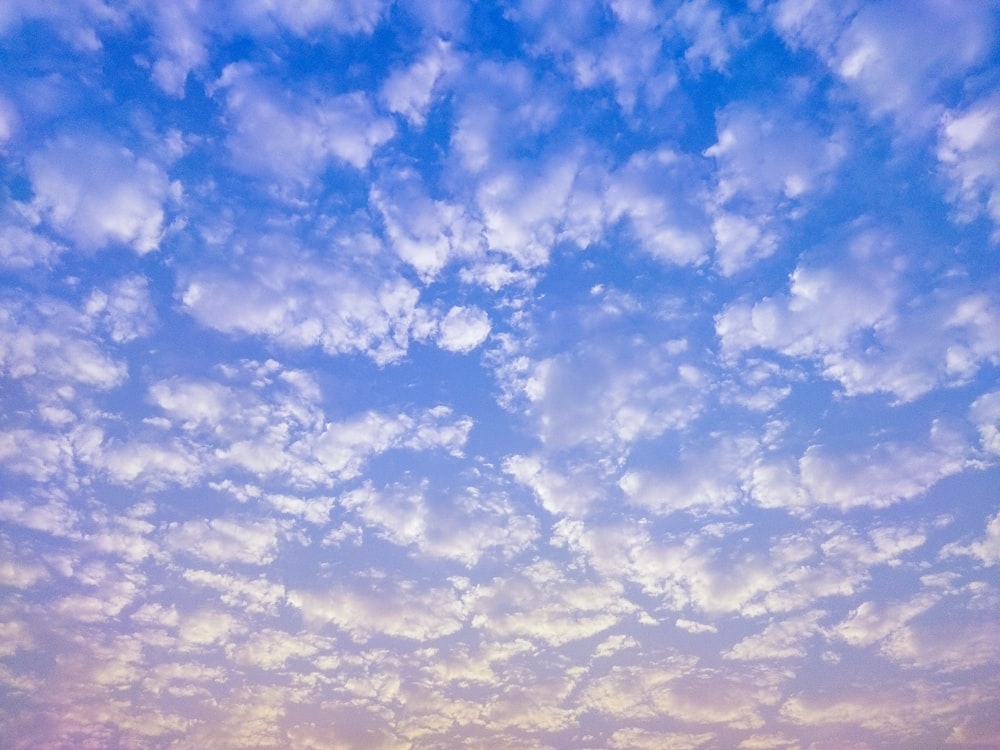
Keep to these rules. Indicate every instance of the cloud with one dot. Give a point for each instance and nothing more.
(425, 233)
(352, 17)
(394, 608)
(456, 525)
(945, 647)
(700, 21)
(870, 48)
(540, 603)
(96, 193)
(704, 479)
(207, 627)
(463, 329)
(969, 150)
(297, 138)
(643, 739)
(409, 91)
(126, 309)
(51, 341)
(870, 623)
(666, 688)
(53, 516)
(20, 245)
(613, 393)
(888, 473)
(851, 320)
(986, 549)
(781, 639)
(225, 540)
(669, 225)
(768, 162)
(181, 41)
(303, 303)
(254, 595)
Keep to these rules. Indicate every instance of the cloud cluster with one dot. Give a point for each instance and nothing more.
(619, 374)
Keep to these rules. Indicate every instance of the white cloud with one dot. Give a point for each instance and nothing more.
(9, 120)
(52, 341)
(883, 475)
(224, 540)
(37, 455)
(528, 206)
(342, 447)
(871, 48)
(711, 38)
(900, 713)
(409, 91)
(301, 303)
(541, 603)
(463, 329)
(207, 627)
(858, 321)
(125, 308)
(456, 525)
(400, 609)
(304, 19)
(768, 161)
(985, 414)
(666, 688)
(986, 549)
(969, 149)
(695, 627)
(156, 463)
(427, 234)
(704, 479)
(77, 22)
(643, 739)
(180, 39)
(96, 193)
(947, 647)
(871, 623)
(610, 392)
(256, 596)
(669, 224)
(53, 516)
(271, 649)
(780, 639)
(20, 245)
(296, 138)
(561, 491)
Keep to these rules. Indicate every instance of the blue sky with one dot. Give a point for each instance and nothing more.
(472, 375)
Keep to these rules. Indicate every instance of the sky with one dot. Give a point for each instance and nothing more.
(612, 375)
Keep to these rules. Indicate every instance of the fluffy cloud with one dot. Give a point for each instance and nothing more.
(295, 139)
(125, 308)
(986, 549)
(96, 193)
(399, 609)
(427, 234)
(465, 528)
(542, 604)
(669, 224)
(225, 540)
(830, 312)
(870, 48)
(463, 329)
(408, 91)
(969, 149)
(52, 341)
(306, 304)
(768, 161)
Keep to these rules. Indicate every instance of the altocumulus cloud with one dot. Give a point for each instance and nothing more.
(390, 374)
